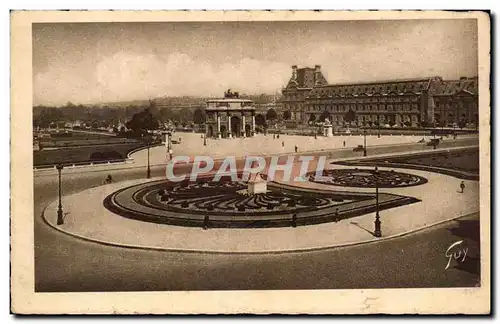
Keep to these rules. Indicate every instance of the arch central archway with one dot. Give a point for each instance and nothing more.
(248, 130)
(223, 131)
(236, 126)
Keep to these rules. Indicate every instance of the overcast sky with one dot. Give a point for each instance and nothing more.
(103, 62)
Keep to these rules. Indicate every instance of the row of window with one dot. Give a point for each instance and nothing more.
(382, 98)
(360, 107)
(451, 104)
(412, 98)
(376, 117)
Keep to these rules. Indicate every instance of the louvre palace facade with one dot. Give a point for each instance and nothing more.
(413, 102)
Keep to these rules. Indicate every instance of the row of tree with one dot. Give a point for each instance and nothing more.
(104, 117)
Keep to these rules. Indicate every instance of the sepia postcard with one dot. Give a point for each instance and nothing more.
(250, 162)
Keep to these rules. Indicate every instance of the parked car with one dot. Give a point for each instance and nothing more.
(359, 148)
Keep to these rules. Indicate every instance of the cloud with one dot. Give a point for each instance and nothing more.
(127, 76)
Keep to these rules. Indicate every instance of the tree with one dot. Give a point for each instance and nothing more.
(199, 116)
(260, 120)
(142, 122)
(287, 114)
(324, 115)
(391, 123)
(312, 118)
(407, 123)
(48, 116)
(271, 114)
(350, 116)
(424, 124)
(461, 124)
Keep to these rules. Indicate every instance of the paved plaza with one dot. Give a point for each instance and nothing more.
(118, 267)
(192, 144)
(86, 217)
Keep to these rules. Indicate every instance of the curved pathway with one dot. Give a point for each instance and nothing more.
(88, 218)
(63, 263)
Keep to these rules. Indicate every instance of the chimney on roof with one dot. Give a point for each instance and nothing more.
(294, 72)
(317, 72)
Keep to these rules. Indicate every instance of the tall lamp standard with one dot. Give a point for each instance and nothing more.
(205, 136)
(378, 126)
(378, 232)
(434, 131)
(148, 172)
(169, 143)
(60, 219)
(364, 146)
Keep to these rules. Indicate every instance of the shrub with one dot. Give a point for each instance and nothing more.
(113, 155)
(96, 156)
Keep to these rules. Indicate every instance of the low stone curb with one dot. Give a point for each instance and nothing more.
(312, 249)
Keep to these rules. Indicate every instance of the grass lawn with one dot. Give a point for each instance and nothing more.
(462, 163)
(83, 154)
(464, 160)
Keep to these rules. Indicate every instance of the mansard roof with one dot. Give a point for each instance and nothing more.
(306, 78)
(400, 87)
(464, 85)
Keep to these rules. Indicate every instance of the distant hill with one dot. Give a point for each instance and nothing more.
(110, 113)
(123, 104)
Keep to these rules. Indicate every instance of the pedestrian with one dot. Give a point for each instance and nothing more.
(337, 216)
(294, 220)
(344, 143)
(109, 179)
(274, 136)
(283, 144)
(296, 149)
(278, 136)
(462, 187)
(205, 222)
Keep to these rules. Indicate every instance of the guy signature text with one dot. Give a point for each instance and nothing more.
(456, 251)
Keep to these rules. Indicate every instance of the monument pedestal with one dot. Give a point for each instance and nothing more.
(328, 128)
(256, 184)
(329, 131)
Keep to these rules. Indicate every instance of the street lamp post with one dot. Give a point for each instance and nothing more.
(148, 173)
(60, 218)
(378, 232)
(378, 126)
(169, 144)
(434, 142)
(205, 136)
(364, 146)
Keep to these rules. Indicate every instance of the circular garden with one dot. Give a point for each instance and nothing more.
(227, 204)
(367, 178)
